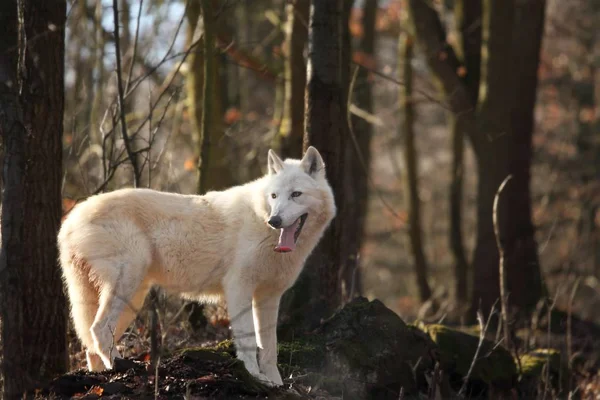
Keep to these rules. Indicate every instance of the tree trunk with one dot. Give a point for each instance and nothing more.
(325, 120)
(317, 292)
(494, 153)
(208, 89)
(34, 309)
(291, 132)
(524, 278)
(411, 179)
(468, 22)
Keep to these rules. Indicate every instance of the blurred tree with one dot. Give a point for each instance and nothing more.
(358, 154)
(499, 127)
(289, 139)
(97, 66)
(411, 178)
(281, 84)
(32, 302)
(468, 32)
(317, 292)
(588, 146)
(214, 171)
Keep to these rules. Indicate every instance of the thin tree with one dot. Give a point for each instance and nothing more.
(467, 15)
(32, 302)
(214, 172)
(208, 102)
(291, 130)
(411, 178)
(358, 155)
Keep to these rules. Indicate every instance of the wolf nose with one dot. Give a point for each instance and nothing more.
(275, 222)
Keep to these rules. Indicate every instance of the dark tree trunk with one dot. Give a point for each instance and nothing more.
(494, 151)
(317, 292)
(34, 309)
(515, 83)
(289, 139)
(325, 127)
(524, 277)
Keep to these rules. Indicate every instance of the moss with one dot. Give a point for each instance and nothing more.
(542, 368)
(303, 353)
(226, 346)
(533, 363)
(495, 365)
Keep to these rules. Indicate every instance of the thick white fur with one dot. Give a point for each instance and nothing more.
(115, 246)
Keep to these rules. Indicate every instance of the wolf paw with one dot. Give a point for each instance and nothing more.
(264, 379)
(272, 374)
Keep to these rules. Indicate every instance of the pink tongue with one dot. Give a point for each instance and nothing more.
(286, 238)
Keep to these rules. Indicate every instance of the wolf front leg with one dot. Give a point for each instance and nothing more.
(239, 306)
(265, 307)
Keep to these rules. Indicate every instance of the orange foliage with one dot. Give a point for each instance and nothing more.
(232, 115)
(364, 59)
(97, 390)
(189, 164)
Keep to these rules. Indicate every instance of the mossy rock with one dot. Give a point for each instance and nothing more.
(495, 366)
(542, 368)
(370, 353)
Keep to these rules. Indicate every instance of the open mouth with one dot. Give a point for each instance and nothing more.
(289, 236)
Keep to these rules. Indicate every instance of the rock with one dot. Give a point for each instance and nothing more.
(364, 351)
(495, 366)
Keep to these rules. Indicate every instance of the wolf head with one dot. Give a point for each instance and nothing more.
(297, 191)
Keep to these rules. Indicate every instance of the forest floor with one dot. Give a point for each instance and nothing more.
(200, 364)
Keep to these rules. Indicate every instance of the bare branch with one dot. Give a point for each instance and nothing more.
(502, 264)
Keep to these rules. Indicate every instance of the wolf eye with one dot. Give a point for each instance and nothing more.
(273, 196)
(296, 194)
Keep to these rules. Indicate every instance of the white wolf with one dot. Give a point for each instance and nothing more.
(248, 244)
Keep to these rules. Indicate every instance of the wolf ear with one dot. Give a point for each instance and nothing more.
(312, 163)
(275, 163)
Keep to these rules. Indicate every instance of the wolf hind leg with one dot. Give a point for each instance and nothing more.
(83, 298)
(118, 306)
